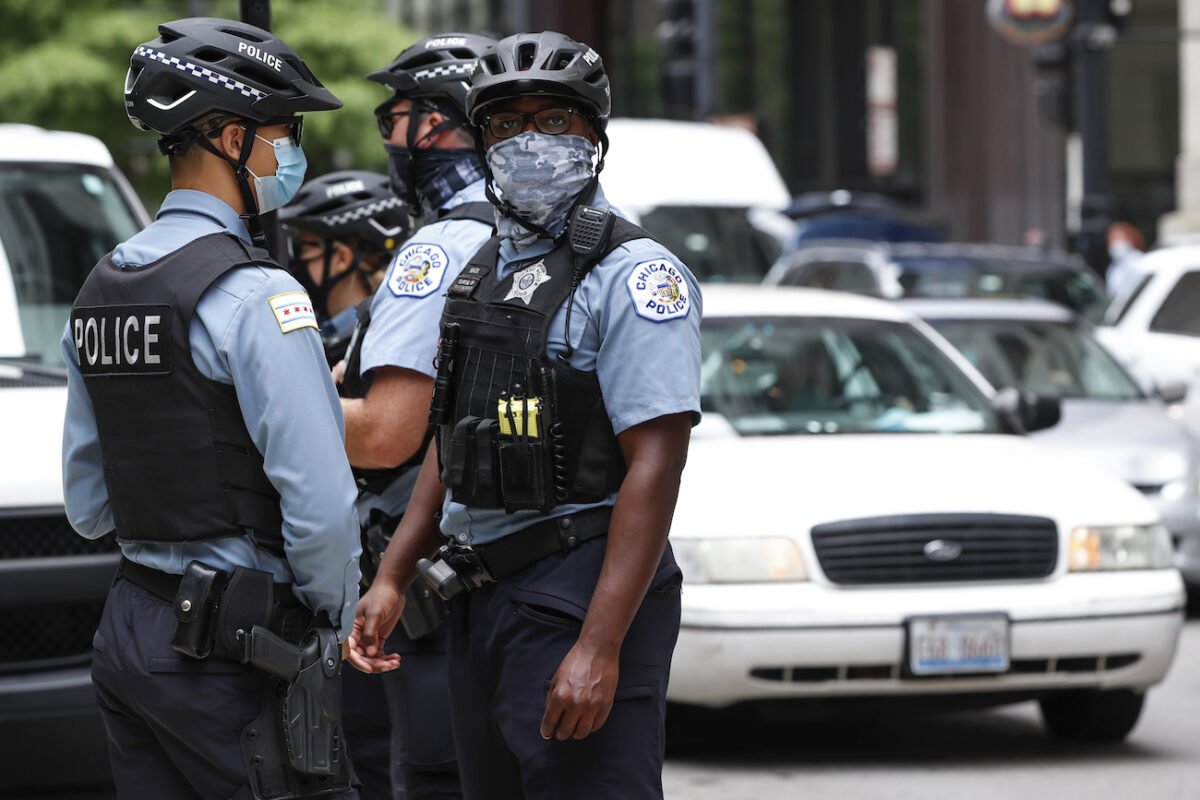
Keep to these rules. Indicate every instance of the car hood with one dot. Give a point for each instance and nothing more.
(1135, 441)
(786, 484)
(31, 455)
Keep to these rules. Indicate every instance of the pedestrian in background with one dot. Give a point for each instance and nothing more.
(1125, 248)
(203, 427)
(567, 385)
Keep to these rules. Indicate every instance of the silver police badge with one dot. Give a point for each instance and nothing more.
(526, 281)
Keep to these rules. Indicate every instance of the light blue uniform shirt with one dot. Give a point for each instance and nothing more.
(406, 312)
(647, 367)
(288, 403)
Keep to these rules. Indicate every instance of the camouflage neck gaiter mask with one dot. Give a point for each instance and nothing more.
(539, 175)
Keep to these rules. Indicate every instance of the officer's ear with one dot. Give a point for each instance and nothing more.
(340, 259)
(230, 140)
(433, 119)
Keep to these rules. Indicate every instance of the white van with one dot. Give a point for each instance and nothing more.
(710, 193)
(63, 205)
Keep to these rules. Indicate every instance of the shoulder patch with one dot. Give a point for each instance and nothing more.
(293, 310)
(659, 290)
(417, 270)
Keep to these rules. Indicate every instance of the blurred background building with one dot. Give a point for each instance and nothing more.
(923, 100)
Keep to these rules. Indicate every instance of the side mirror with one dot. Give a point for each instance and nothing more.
(1172, 393)
(1029, 411)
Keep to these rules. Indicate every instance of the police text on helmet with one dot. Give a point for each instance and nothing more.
(260, 55)
(339, 189)
(449, 41)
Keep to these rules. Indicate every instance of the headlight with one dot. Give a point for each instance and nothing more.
(747, 560)
(1119, 547)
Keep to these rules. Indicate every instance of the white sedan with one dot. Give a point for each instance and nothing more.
(1153, 328)
(859, 519)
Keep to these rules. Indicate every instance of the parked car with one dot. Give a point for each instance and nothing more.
(710, 193)
(1107, 419)
(914, 269)
(860, 518)
(63, 205)
(1154, 327)
(842, 214)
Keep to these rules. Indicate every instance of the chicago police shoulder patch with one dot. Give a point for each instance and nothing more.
(659, 290)
(293, 311)
(417, 270)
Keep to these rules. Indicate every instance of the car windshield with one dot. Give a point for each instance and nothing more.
(717, 244)
(1050, 359)
(987, 277)
(789, 375)
(56, 222)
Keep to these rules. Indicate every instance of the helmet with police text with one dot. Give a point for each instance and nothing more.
(546, 63)
(349, 203)
(202, 65)
(435, 69)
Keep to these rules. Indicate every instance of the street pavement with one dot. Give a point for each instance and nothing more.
(979, 755)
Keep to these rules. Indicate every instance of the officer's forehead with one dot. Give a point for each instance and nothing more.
(531, 103)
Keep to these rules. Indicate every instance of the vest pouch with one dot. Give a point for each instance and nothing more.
(523, 475)
(195, 607)
(469, 462)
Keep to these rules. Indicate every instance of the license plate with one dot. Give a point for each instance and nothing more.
(958, 644)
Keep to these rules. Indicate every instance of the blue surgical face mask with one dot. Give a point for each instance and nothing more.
(276, 191)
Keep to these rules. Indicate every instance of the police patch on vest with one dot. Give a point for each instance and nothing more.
(417, 270)
(659, 290)
(122, 340)
(526, 281)
(293, 310)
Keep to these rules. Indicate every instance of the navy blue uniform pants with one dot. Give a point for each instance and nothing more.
(507, 639)
(398, 724)
(174, 724)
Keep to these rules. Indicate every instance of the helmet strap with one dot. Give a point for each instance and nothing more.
(242, 175)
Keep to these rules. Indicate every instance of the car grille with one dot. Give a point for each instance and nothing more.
(927, 548)
(878, 672)
(41, 534)
(37, 636)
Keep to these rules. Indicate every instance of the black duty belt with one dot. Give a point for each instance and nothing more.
(519, 550)
(165, 585)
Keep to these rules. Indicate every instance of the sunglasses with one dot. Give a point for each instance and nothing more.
(387, 121)
(295, 126)
(555, 120)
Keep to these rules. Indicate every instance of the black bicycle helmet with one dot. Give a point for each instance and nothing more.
(435, 69)
(350, 202)
(546, 63)
(203, 64)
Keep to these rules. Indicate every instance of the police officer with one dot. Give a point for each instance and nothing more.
(342, 229)
(203, 427)
(568, 383)
(432, 162)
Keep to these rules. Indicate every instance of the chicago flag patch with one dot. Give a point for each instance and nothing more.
(659, 290)
(293, 310)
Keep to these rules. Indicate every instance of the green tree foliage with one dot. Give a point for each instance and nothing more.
(63, 64)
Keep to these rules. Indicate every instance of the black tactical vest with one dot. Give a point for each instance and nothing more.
(178, 461)
(515, 429)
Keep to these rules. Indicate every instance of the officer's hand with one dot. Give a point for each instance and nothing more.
(339, 372)
(581, 694)
(378, 611)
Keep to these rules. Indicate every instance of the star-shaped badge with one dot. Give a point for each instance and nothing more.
(526, 281)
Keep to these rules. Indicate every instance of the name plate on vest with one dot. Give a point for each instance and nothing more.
(122, 340)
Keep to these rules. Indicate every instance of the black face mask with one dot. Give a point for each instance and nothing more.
(399, 169)
(442, 172)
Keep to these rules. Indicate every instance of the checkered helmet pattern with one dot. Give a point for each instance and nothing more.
(202, 65)
(436, 68)
(547, 63)
(349, 202)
